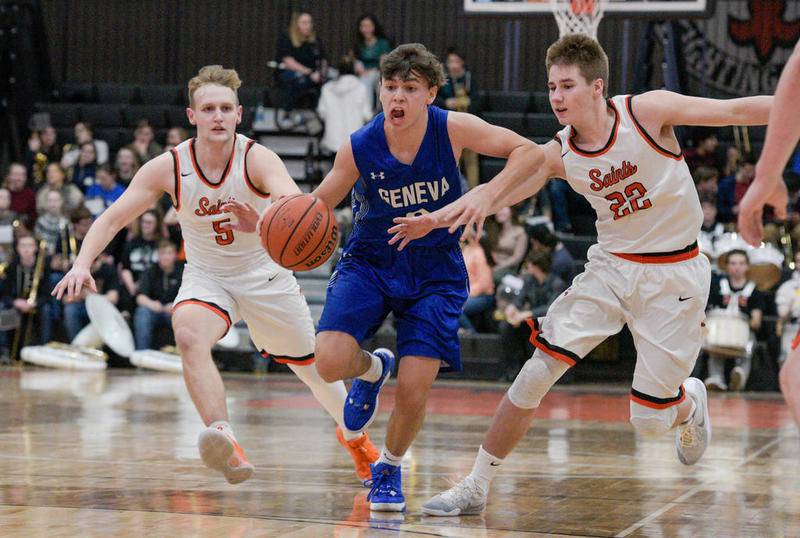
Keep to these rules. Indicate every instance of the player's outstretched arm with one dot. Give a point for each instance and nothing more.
(467, 131)
(406, 229)
(147, 186)
(340, 179)
(662, 108)
(783, 133)
(268, 174)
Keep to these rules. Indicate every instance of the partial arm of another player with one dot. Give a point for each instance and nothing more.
(268, 174)
(467, 131)
(782, 136)
(153, 179)
(549, 164)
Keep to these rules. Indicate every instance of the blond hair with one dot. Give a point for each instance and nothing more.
(294, 31)
(584, 52)
(214, 74)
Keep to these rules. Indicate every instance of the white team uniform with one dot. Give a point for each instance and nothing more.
(645, 270)
(229, 272)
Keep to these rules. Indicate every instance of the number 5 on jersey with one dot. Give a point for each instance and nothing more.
(223, 237)
(628, 201)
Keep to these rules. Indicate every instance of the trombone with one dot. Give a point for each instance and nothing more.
(23, 332)
(69, 244)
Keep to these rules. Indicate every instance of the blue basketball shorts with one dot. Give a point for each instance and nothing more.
(424, 287)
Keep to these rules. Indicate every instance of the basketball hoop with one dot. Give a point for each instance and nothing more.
(578, 16)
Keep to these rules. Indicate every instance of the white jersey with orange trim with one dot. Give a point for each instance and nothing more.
(644, 195)
(199, 198)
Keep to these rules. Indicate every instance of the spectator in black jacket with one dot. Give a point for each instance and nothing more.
(16, 289)
(540, 287)
(157, 290)
(543, 240)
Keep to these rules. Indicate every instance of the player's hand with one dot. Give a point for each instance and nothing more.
(761, 192)
(469, 211)
(406, 229)
(247, 217)
(73, 282)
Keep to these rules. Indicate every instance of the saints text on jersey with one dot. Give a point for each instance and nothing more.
(614, 176)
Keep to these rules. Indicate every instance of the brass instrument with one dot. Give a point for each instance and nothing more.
(69, 244)
(786, 246)
(23, 333)
(462, 99)
(95, 353)
(468, 157)
(741, 138)
(40, 162)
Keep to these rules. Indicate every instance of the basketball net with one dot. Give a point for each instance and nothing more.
(578, 16)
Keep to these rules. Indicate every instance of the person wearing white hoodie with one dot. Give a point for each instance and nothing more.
(345, 105)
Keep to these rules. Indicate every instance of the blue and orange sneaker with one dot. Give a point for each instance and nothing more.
(361, 405)
(386, 494)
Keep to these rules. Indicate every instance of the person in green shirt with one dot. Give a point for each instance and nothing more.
(370, 44)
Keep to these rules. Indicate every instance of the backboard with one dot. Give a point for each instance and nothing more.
(628, 8)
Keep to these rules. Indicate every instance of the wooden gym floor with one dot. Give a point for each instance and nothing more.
(113, 454)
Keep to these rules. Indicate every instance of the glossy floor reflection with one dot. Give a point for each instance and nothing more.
(113, 453)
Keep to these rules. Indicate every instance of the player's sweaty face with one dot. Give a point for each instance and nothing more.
(216, 112)
(404, 100)
(569, 92)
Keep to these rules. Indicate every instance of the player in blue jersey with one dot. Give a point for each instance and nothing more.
(404, 162)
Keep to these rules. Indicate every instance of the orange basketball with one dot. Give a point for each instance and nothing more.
(299, 232)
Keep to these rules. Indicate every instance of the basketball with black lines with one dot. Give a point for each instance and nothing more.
(299, 232)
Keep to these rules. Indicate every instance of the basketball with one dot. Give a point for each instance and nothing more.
(299, 232)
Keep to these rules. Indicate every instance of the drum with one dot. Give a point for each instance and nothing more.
(727, 333)
(157, 360)
(766, 263)
(728, 242)
(706, 244)
(110, 325)
(64, 357)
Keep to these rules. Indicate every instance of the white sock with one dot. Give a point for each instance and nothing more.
(330, 395)
(223, 424)
(484, 469)
(375, 370)
(389, 458)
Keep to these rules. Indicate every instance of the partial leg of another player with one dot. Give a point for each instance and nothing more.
(197, 329)
(332, 397)
(790, 383)
(280, 324)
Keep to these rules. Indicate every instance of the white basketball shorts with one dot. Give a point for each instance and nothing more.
(662, 297)
(267, 298)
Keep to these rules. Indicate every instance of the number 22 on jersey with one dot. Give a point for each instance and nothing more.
(628, 201)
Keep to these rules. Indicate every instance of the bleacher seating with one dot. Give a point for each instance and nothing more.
(166, 94)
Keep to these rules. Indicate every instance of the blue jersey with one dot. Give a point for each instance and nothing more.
(388, 188)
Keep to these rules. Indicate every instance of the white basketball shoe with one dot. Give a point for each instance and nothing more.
(464, 499)
(693, 436)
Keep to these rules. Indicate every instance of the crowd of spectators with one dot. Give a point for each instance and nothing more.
(49, 200)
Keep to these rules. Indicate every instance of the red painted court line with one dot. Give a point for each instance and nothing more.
(725, 412)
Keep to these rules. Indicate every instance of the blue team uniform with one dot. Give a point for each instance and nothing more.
(424, 285)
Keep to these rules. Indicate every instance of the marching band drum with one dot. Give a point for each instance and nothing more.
(107, 326)
(727, 329)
